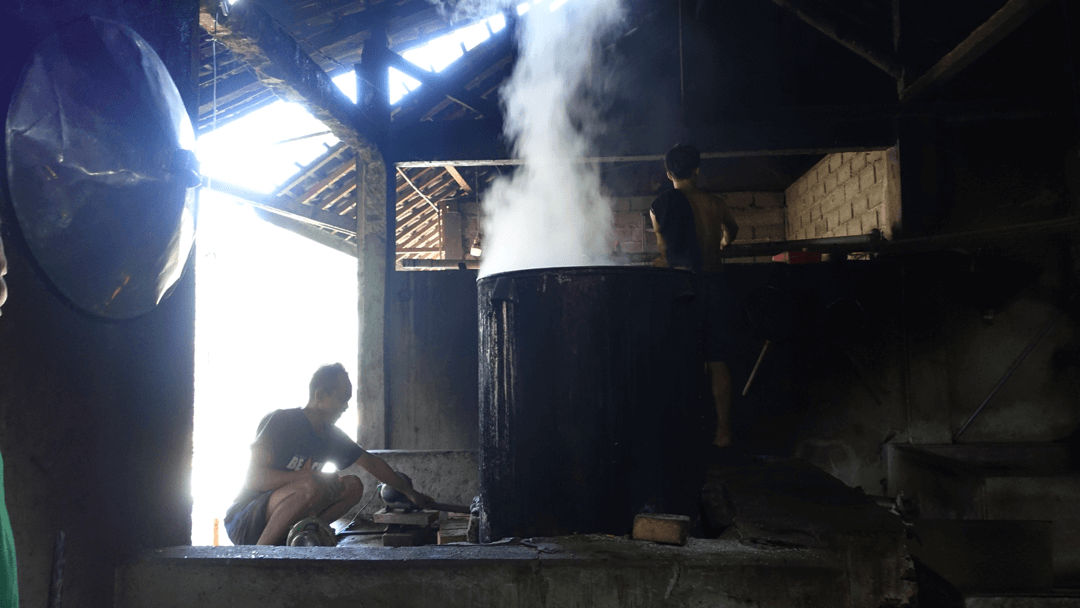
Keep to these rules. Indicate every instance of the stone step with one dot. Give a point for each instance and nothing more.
(995, 481)
(594, 571)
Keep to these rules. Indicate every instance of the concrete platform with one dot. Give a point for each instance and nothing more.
(1060, 599)
(791, 537)
(593, 571)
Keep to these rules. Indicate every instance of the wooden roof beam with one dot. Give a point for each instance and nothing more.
(452, 81)
(334, 240)
(843, 34)
(453, 91)
(454, 173)
(253, 35)
(1002, 23)
(787, 132)
(287, 207)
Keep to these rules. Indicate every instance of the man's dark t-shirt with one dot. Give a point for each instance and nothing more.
(675, 219)
(291, 442)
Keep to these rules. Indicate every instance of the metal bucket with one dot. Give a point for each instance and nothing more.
(591, 399)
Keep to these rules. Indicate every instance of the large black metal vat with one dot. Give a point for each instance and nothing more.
(591, 405)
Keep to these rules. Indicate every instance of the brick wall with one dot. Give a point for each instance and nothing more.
(846, 194)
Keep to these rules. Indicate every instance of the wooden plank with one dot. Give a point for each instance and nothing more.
(1002, 23)
(416, 518)
(453, 530)
(408, 538)
(454, 173)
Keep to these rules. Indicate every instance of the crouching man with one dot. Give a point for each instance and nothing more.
(285, 483)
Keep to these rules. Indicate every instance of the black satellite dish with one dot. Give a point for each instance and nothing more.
(100, 168)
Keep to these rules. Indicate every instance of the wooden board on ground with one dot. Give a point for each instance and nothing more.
(416, 518)
(453, 530)
(410, 537)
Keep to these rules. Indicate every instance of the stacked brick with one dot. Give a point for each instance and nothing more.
(845, 194)
(633, 229)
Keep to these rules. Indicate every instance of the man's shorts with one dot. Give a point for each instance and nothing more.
(244, 522)
(718, 310)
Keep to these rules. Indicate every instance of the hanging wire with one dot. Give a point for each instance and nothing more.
(213, 84)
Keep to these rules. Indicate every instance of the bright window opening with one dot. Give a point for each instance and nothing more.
(271, 306)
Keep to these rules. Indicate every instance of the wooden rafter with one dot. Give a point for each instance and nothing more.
(286, 207)
(418, 190)
(454, 173)
(843, 34)
(1002, 23)
(415, 221)
(319, 187)
(343, 192)
(453, 91)
(331, 155)
(252, 35)
(455, 79)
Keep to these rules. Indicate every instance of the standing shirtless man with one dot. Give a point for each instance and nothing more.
(692, 228)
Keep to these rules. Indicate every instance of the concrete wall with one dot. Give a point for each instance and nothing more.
(448, 476)
(845, 194)
(431, 355)
(920, 366)
(891, 350)
(95, 415)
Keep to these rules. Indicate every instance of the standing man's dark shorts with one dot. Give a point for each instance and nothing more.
(718, 311)
(244, 522)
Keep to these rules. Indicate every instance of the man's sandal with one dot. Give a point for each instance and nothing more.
(311, 532)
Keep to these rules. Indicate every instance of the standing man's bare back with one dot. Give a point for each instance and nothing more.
(713, 222)
(699, 248)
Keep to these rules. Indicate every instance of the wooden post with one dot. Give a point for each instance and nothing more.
(375, 195)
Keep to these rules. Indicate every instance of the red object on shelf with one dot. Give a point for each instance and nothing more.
(797, 257)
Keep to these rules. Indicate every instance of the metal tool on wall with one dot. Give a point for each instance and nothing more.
(100, 168)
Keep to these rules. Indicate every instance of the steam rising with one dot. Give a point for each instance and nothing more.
(550, 211)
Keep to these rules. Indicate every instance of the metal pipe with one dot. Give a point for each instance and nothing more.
(458, 264)
(1008, 374)
(757, 364)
